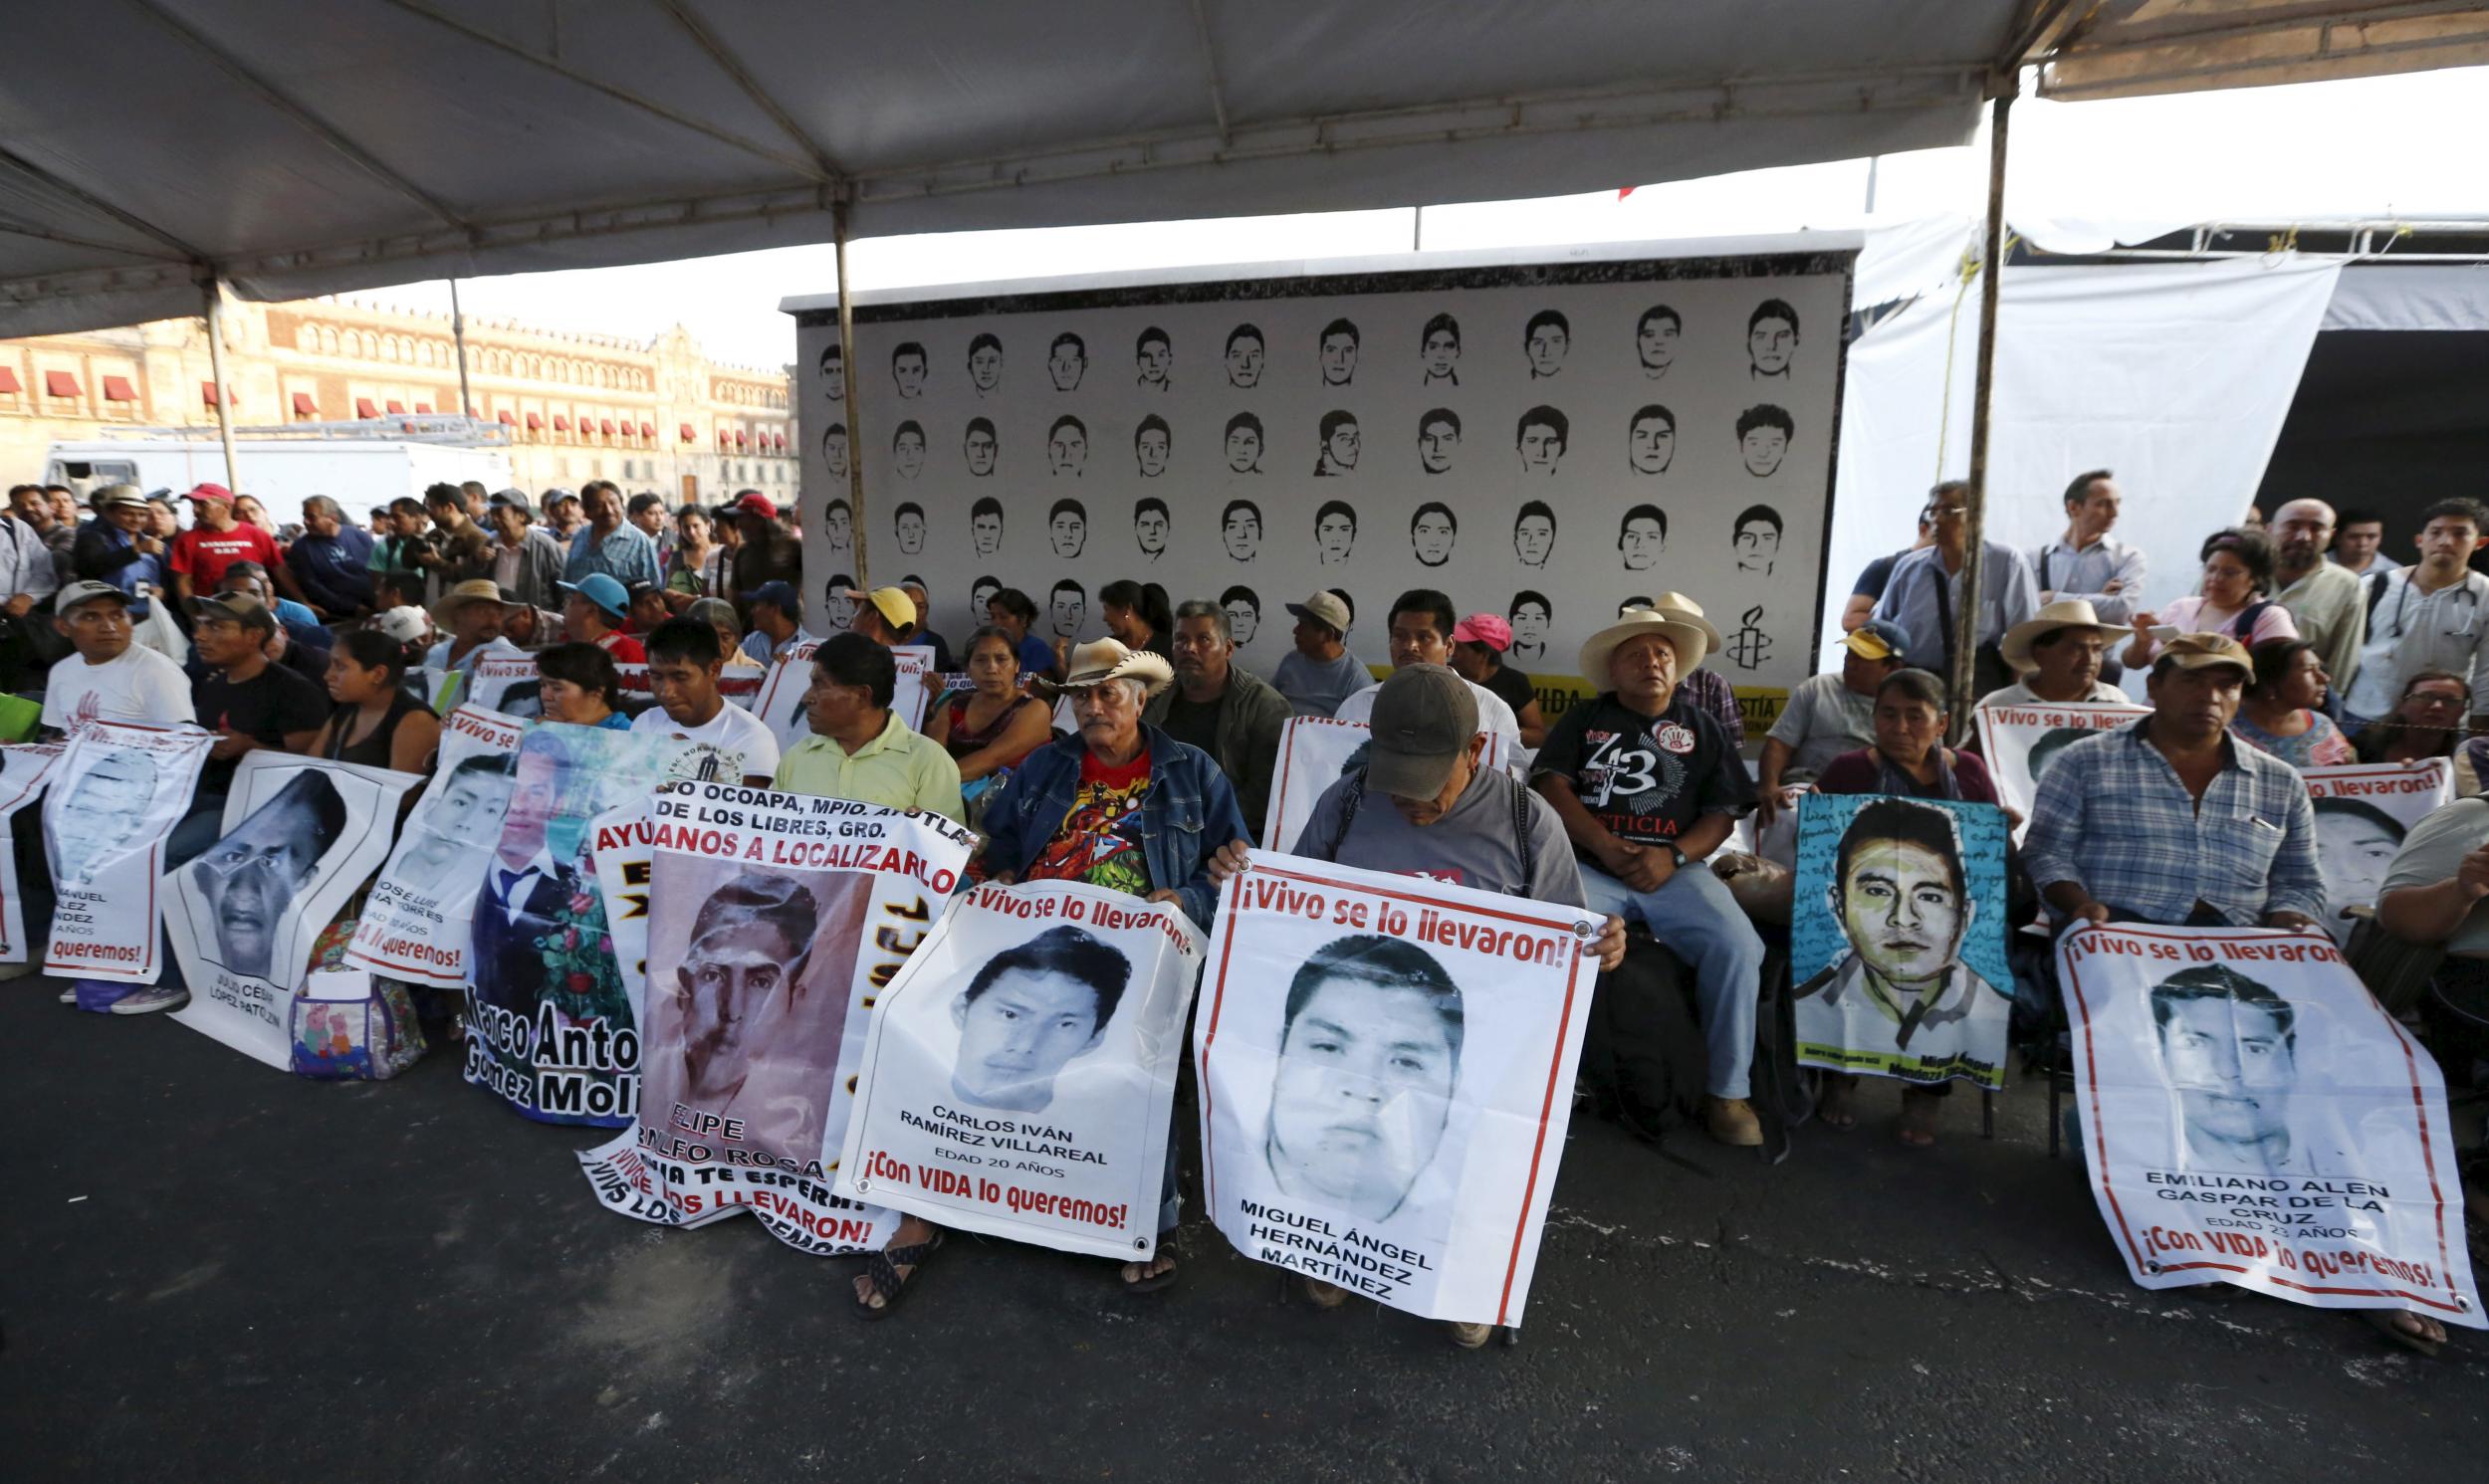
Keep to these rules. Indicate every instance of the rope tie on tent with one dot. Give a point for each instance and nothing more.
(1969, 275)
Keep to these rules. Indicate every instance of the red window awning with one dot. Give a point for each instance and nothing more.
(60, 385)
(509, 418)
(647, 430)
(741, 438)
(562, 422)
(306, 405)
(689, 433)
(9, 383)
(536, 422)
(423, 407)
(364, 407)
(119, 389)
(207, 392)
(606, 427)
(397, 408)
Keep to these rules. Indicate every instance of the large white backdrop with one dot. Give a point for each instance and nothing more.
(1766, 607)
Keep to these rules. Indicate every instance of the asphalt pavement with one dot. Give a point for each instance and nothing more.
(217, 1271)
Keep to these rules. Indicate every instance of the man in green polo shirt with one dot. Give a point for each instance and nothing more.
(860, 749)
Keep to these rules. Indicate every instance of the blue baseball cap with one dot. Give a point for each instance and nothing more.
(604, 590)
(1879, 639)
(781, 595)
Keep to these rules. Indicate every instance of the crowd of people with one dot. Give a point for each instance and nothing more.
(2302, 646)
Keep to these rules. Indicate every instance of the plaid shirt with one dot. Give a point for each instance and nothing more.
(2113, 818)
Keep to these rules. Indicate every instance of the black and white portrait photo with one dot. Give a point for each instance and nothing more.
(1240, 530)
(1534, 533)
(1067, 528)
(907, 449)
(833, 365)
(837, 602)
(1152, 442)
(985, 364)
(1651, 441)
(834, 450)
(1151, 525)
(1642, 536)
(1541, 437)
(1771, 338)
(980, 447)
(1369, 1056)
(1334, 532)
(1439, 440)
(1245, 353)
(1340, 441)
(1529, 614)
(1546, 340)
(1439, 351)
(1067, 605)
(1338, 349)
(907, 367)
(1432, 532)
(1655, 339)
(250, 878)
(1244, 609)
(1757, 540)
(1244, 444)
(1067, 360)
(102, 813)
(985, 525)
(907, 524)
(2229, 1047)
(1155, 355)
(1028, 1012)
(1764, 434)
(1068, 447)
(454, 835)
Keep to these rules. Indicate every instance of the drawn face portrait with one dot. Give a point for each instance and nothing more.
(1339, 358)
(1547, 347)
(980, 594)
(1149, 532)
(1762, 449)
(835, 452)
(838, 612)
(1241, 533)
(1652, 446)
(907, 368)
(1017, 1036)
(1334, 534)
(981, 449)
(1529, 627)
(1431, 536)
(1441, 355)
(103, 814)
(1069, 532)
(910, 530)
(985, 368)
(1361, 1095)
(739, 975)
(2233, 1065)
(1156, 359)
(833, 373)
(1243, 618)
(1244, 355)
(1068, 607)
(1534, 537)
(1243, 451)
(1339, 451)
(838, 522)
(986, 532)
(250, 878)
(1758, 547)
(1541, 447)
(1151, 449)
(1770, 343)
(1642, 542)
(1902, 913)
(1065, 365)
(1438, 441)
(907, 452)
(1067, 451)
(1656, 345)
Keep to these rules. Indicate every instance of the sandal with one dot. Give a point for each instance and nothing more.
(881, 1272)
(1920, 1112)
(1836, 1101)
(2384, 1321)
(1324, 1295)
(1151, 1276)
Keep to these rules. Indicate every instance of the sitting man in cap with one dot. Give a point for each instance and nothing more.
(2058, 653)
(1647, 785)
(2166, 819)
(249, 701)
(1229, 713)
(763, 553)
(776, 622)
(608, 545)
(649, 607)
(115, 546)
(216, 542)
(1478, 643)
(1319, 673)
(594, 614)
(1829, 715)
(1421, 628)
(527, 560)
(473, 615)
(111, 679)
(885, 615)
(684, 662)
(860, 749)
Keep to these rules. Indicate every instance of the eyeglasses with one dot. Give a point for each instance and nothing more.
(1939, 511)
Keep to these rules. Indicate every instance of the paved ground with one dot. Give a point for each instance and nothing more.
(216, 1271)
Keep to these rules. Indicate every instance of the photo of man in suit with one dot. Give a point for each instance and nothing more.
(524, 886)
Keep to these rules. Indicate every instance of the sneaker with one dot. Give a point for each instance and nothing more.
(69, 991)
(151, 999)
(1469, 1337)
(1732, 1122)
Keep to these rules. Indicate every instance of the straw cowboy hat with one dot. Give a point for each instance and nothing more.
(1103, 660)
(1674, 617)
(2065, 613)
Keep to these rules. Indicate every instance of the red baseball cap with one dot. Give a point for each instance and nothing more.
(210, 492)
(1484, 628)
(756, 504)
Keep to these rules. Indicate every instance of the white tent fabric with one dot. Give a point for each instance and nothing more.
(304, 148)
(2417, 296)
(2176, 375)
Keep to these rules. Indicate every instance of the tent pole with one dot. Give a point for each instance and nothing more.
(214, 292)
(855, 431)
(1966, 635)
(458, 337)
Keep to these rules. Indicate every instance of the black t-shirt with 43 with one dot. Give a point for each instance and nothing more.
(1646, 779)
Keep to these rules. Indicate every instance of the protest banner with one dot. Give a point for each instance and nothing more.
(2251, 1115)
(1019, 1073)
(416, 922)
(24, 771)
(2018, 743)
(781, 704)
(550, 1026)
(1316, 752)
(2363, 811)
(504, 684)
(301, 836)
(1385, 1077)
(774, 919)
(909, 696)
(621, 854)
(1896, 938)
(115, 793)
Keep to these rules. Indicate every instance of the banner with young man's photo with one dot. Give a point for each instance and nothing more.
(550, 1026)
(2363, 811)
(115, 793)
(417, 921)
(1316, 752)
(1896, 938)
(25, 770)
(1019, 1074)
(1385, 1079)
(2250, 1115)
(774, 921)
(2019, 742)
(781, 706)
(301, 836)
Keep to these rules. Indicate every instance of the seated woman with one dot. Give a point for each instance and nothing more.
(580, 686)
(988, 731)
(2237, 575)
(1010, 610)
(720, 615)
(1909, 759)
(2279, 713)
(377, 720)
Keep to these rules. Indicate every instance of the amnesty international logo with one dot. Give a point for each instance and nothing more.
(1749, 646)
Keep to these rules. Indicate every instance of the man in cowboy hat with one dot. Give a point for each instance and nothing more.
(2056, 652)
(472, 614)
(1122, 805)
(1700, 685)
(1829, 715)
(1647, 785)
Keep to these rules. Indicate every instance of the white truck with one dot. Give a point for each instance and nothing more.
(357, 464)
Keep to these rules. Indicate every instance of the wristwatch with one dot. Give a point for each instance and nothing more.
(1676, 855)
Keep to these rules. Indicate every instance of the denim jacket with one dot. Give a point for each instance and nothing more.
(1189, 813)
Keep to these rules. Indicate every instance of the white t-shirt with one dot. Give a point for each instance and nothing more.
(140, 685)
(742, 742)
(1493, 714)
